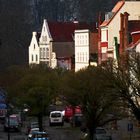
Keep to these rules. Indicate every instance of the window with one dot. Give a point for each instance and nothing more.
(86, 56)
(83, 56)
(103, 35)
(47, 52)
(36, 57)
(34, 46)
(41, 55)
(44, 53)
(44, 38)
(32, 57)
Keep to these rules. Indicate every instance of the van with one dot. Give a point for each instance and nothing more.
(11, 124)
(56, 118)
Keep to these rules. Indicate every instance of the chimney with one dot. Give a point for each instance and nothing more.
(126, 30)
(121, 49)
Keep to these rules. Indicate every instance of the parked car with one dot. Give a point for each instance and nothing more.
(17, 117)
(56, 118)
(31, 131)
(37, 135)
(11, 124)
(100, 134)
(32, 126)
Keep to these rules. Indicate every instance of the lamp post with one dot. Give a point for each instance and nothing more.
(8, 119)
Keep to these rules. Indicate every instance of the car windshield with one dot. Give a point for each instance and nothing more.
(100, 131)
(12, 121)
(34, 125)
(55, 115)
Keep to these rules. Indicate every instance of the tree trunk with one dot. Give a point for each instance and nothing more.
(91, 132)
(40, 122)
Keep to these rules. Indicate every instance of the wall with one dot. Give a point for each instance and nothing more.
(34, 50)
(131, 7)
(81, 49)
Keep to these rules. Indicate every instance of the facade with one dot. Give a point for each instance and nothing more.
(86, 48)
(134, 30)
(54, 46)
(110, 28)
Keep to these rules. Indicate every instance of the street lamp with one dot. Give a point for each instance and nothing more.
(8, 119)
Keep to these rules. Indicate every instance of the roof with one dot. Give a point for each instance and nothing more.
(132, 46)
(115, 10)
(134, 25)
(64, 31)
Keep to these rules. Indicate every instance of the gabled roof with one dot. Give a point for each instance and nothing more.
(64, 31)
(115, 10)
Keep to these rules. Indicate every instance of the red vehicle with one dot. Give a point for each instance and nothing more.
(70, 111)
(77, 110)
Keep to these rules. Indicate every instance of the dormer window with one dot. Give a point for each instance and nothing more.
(108, 15)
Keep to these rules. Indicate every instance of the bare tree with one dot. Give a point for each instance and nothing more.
(127, 80)
(92, 88)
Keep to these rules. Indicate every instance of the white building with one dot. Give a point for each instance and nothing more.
(81, 49)
(54, 46)
(40, 49)
(85, 48)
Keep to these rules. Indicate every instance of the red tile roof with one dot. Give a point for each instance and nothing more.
(64, 31)
(115, 10)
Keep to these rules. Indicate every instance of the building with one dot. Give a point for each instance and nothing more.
(54, 46)
(134, 31)
(86, 48)
(111, 27)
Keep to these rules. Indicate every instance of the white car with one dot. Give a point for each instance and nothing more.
(56, 118)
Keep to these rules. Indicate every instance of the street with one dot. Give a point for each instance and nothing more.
(67, 132)
(55, 132)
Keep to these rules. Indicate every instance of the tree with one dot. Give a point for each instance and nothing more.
(127, 80)
(38, 88)
(93, 89)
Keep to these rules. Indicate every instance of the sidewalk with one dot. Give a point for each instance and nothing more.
(123, 133)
